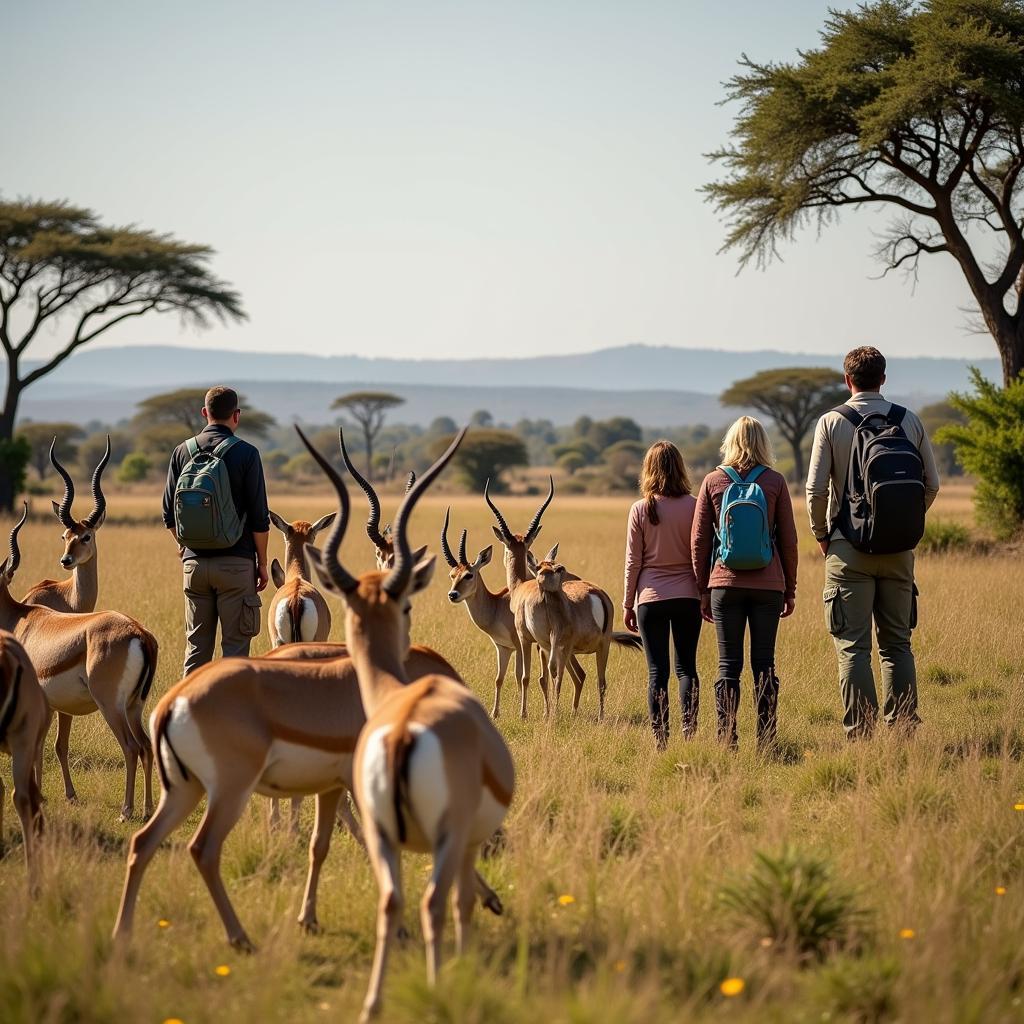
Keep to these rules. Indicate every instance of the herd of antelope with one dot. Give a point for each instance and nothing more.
(389, 722)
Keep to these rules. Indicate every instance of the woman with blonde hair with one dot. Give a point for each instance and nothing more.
(661, 596)
(745, 557)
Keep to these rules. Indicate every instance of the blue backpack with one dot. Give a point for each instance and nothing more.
(744, 536)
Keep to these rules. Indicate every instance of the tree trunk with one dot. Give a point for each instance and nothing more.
(7, 420)
(1011, 349)
(796, 443)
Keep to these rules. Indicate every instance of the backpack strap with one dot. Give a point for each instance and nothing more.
(192, 447)
(731, 474)
(755, 473)
(224, 446)
(896, 415)
(849, 414)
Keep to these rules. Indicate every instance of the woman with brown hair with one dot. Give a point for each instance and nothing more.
(661, 595)
(756, 591)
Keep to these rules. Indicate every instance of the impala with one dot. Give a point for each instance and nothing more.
(24, 719)
(96, 661)
(589, 606)
(79, 592)
(490, 612)
(432, 772)
(298, 613)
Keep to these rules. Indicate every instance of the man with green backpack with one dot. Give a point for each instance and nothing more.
(215, 505)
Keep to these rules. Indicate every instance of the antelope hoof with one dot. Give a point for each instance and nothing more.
(71, 796)
(310, 925)
(494, 905)
(402, 934)
(242, 944)
(127, 813)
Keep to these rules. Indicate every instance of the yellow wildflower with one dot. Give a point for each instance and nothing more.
(566, 900)
(222, 971)
(1018, 807)
(163, 923)
(620, 966)
(1000, 890)
(907, 933)
(732, 987)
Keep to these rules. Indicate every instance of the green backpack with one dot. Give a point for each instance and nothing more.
(205, 517)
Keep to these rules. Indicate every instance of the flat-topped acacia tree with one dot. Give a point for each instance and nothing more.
(917, 107)
(62, 269)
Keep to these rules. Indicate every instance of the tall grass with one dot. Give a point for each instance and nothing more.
(615, 855)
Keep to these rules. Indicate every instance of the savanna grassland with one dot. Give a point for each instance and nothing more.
(631, 879)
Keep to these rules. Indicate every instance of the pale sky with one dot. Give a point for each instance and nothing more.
(442, 179)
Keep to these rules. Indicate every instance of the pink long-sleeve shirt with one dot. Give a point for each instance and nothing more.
(659, 566)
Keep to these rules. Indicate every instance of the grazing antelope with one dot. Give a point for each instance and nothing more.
(432, 772)
(79, 592)
(491, 613)
(24, 720)
(298, 612)
(589, 607)
(95, 661)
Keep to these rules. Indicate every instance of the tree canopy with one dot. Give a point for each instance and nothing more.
(41, 435)
(485, 454)
(368, 409)
(913, 106)
(183, 408)
(794, 398)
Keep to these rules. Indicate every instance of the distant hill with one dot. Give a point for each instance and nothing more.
(659, 386)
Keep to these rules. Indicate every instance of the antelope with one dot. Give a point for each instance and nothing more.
(79, 592)
(491, 613)
(432, 773)
(86, 662)
(589, 608)
(24, 721)
(298, 612)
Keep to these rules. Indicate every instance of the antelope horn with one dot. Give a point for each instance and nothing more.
(373, 519)
(463, 557)
(64, 512)
(410, 482)
(445, 549)
(15, 557)
(342, 578)
(502, 525)
(99, 502)
(534, 526)
(398, 579)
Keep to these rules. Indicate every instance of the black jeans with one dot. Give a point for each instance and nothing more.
(657, 619)
(733, 608)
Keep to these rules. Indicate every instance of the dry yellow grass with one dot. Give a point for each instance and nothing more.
(925, 832)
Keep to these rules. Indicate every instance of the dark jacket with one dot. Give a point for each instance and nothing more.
(248, 489)
(780, 573)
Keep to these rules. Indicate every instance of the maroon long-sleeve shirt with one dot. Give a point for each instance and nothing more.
(780, 573)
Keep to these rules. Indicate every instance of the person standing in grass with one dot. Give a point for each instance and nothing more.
(661, 598)
(872, 476)
(745, 561)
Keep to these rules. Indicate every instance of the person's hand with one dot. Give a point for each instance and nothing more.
(705, 608)
(788, 608)
(629, 618)
(262, 578)
(823, 546)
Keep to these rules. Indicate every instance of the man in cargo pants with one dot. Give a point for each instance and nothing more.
(860, 587)
(222, 585)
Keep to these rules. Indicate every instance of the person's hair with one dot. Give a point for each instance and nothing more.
(746, 445)
(664, 473)
(221, 403)
(865, 366)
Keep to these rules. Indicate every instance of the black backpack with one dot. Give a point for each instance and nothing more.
(882, 508)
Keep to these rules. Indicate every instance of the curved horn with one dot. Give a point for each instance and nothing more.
(445, 549)
(534, 526)
(410, 482)
(463, 558)
(64, 511)
(502, 525)
(345, 581)
(99, 502)
(373, 519)
(15, 557)
(398, 578)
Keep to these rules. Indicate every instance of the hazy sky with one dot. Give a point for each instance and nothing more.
(434, 178)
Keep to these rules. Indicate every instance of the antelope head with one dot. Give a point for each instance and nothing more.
(79, 536)
(517, 545)
(10, 564)
(377, 603)
(464, 575)
(381, 538)
(296, 536)
(550, 576)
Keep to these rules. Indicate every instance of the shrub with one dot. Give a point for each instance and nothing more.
(794, 899)
(861, 990)
(991, 446)
(942, 536)
(134, 468)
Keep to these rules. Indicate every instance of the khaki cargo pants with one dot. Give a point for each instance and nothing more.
(860, 588)
(219, 590)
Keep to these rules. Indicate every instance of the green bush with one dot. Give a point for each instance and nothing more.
(794, 899)
(134, 468)
(990, 445)
(942, 536)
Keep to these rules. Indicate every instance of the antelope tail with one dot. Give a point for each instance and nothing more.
(10, 703)
(628, 640)
(150, 650)
(160, 718)
(295, 606)
(399, 746)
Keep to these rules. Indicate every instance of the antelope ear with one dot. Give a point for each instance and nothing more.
(423, 573)
(322, 524)
(284, 527)
(56, 509)
(316, 558)
(531, 562)
(419, 554)
(534, 537)
(552, 554)
(498, 534)
(484, 558)
(277, 573)
(99, 522)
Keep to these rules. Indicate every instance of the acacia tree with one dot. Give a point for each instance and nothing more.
(913, 106)
(484, 455)
(184, 407)
(62, 269)
(368, 409)
(41, 435)
(794, 398)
